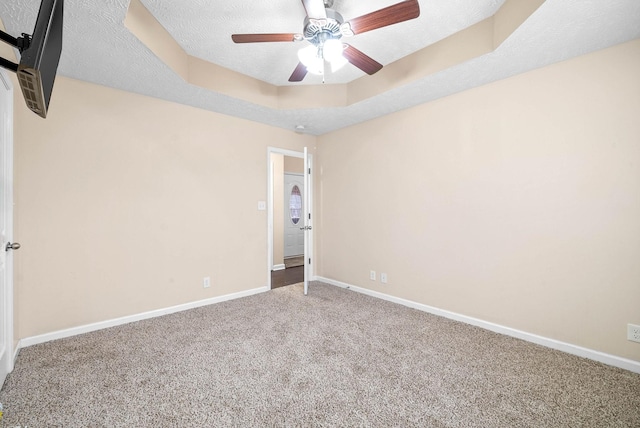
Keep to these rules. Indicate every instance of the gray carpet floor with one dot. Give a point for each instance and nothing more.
(333, 358)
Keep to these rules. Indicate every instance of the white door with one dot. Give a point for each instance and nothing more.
(308, 185)
(293, 215)
(6, 226)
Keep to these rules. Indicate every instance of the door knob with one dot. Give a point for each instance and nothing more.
(305, 228)
(10, 246)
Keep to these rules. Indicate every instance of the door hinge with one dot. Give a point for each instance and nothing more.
(309, 260)
(309, 171)
(309, 216)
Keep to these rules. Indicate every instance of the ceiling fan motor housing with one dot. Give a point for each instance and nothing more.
(317, 31)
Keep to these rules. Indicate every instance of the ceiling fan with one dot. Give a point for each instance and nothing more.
(324, 27)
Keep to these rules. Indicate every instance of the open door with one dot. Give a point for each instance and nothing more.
(307, 221)
(6, 226)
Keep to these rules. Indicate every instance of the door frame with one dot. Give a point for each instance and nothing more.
(291, 153)
(6, 168)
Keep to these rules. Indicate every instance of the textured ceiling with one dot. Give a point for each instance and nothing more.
(204, 29)
(98, 48)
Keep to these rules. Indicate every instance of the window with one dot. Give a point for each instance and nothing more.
(295, 205)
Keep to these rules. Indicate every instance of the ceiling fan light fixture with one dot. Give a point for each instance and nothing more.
(324, 27)
(332, 50)
(310, 58)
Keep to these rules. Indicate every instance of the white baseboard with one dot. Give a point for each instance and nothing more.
(612, 360)
(34, 340)
(16, 352)
(278, 267)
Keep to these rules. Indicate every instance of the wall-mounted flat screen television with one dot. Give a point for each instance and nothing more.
(39, 56)
(39, 61)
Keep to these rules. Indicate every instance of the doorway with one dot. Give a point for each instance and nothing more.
(289, 228)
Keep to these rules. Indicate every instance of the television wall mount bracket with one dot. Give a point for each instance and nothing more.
(21, 43)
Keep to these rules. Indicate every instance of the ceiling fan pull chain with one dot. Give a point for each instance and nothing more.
(323, 69)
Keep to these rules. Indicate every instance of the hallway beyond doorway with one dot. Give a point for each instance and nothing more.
(281, 278)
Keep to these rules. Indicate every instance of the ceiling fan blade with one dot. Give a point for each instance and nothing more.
(361, 60)
(399, 12)
(299, 73)
(256, 38)
(315, 9)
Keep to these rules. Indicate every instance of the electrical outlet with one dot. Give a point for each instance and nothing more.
(372, 275)
(633, 332)
(383, 278)
(206, 282)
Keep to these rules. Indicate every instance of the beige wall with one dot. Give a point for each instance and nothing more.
(516, 203)
(124, 203)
